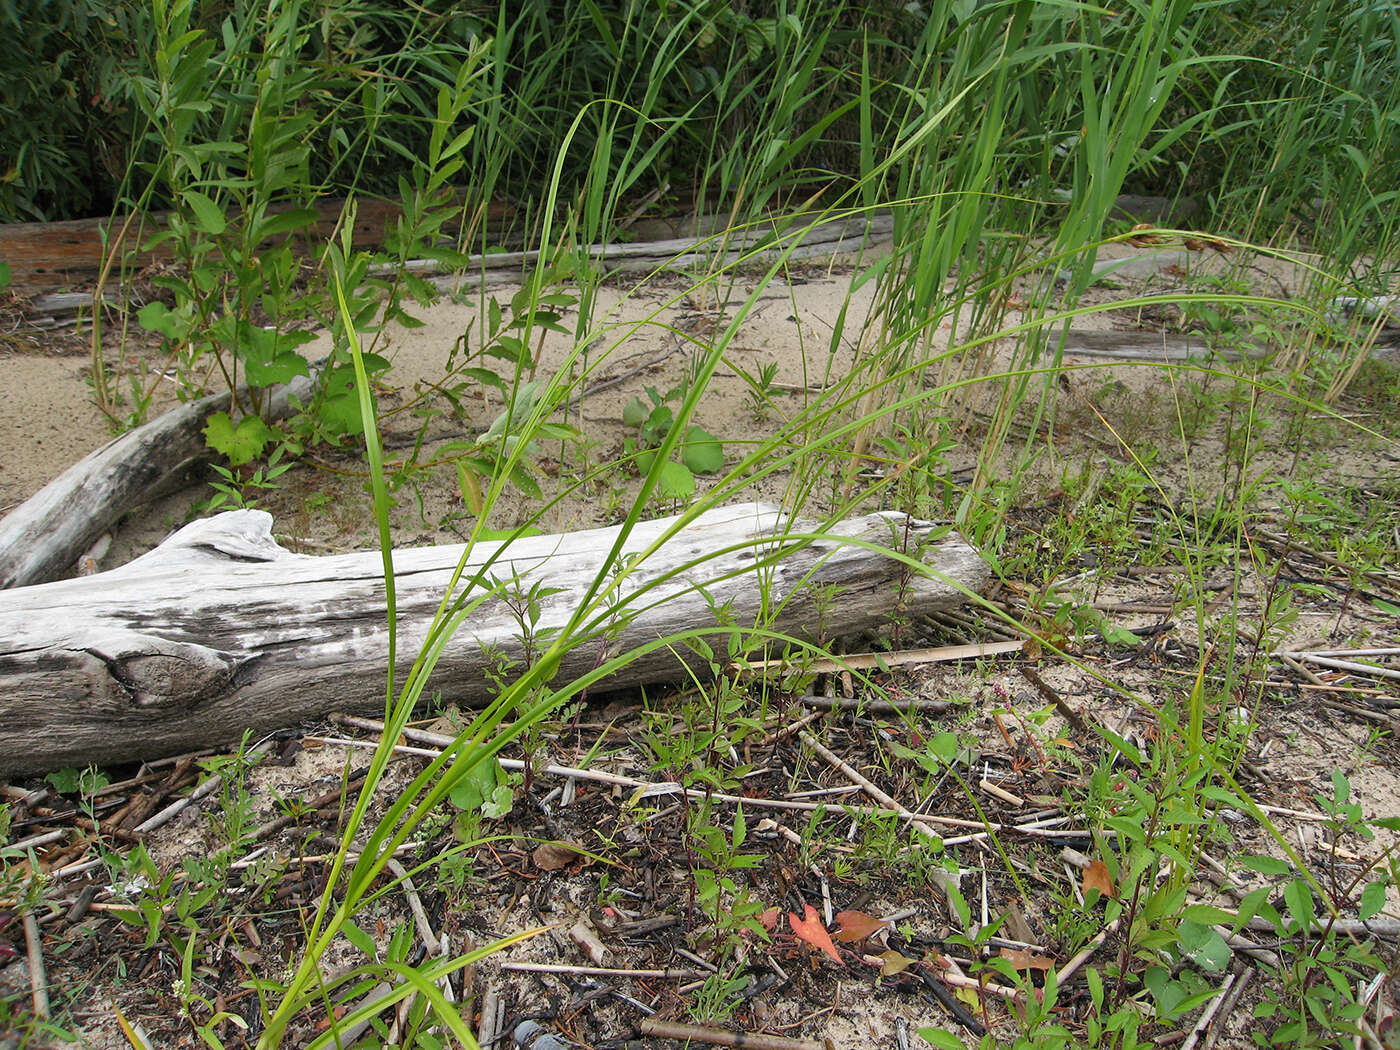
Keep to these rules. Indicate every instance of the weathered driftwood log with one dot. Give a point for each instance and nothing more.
(44, 536)
(844, 236)
(45, 255)
(220, 629)
(1147, 347)
(1164, 347)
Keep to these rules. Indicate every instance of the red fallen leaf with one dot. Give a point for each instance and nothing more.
(1022, 959)
(857, 926)
(1096, 878)
(551, 856)
(810, 929)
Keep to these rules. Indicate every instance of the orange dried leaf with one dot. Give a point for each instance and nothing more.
(552, 856)
(857, 926)
(1023, 959)
(810, 929)
(1096, 878)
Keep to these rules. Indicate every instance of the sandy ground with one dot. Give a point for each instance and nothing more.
(810, 327)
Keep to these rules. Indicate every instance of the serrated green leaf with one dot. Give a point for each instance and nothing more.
(66, 780)
(1095, 983)
(1341, 787)
(1297, 895)
(474, 788)
(509, 534)
(1168, 993)
(944, 745)
(341, 413)
(1113, 634)
(1250, 905)
(156, 317)
(961, 908)
(240, 444)
(557, 432)
(208, 216)
(509, 348)
(525, 481)
(1204, 945)
(485, 377)
(1224, 796)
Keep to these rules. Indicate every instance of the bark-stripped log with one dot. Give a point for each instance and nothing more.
(43, 537)
(220, 629)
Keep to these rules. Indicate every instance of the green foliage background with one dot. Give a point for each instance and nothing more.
(740, 102)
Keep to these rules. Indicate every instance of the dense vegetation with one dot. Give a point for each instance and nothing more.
(1247, 105)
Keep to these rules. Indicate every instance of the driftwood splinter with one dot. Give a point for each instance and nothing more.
(221, 630)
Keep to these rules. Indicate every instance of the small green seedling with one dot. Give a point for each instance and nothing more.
(700, 452)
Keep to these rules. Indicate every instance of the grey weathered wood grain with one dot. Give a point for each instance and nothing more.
(220, 629)
(43, 537)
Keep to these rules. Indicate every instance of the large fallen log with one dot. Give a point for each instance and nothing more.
(43, 537)
(220, 630)
(51, 255)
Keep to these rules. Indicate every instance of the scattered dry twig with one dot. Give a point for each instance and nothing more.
(38, 979)
(872, 661)
(1208, 1014)
(600, 971)
(1061, 705)
(719, 1037)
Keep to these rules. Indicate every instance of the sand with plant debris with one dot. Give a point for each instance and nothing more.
(1110, 412)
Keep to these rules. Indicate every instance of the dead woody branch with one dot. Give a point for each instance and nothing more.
(221, 630)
